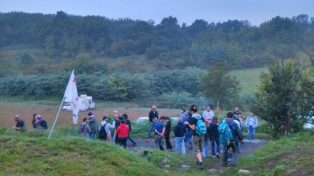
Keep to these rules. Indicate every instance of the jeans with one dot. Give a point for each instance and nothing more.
(180, 147)
(188, 137)
(250, 133)
(150, 129)
(206, 147)
(159, 142)
(230, 150)
(215, 146)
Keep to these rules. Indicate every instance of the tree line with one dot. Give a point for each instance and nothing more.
(167, 45)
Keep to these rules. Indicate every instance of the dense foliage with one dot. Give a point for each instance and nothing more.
(116, 86)
(93, 43)
(284, 98)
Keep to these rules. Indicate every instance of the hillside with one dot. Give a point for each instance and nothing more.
(288, 156)
(32, 154)
(39, 43)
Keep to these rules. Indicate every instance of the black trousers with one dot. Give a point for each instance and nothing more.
(122, 141)
(167, 139)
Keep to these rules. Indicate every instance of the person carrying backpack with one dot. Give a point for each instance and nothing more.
(94, 126)
(179, 131)
(84, 129)
(40, 122)
(198, 128)
(214, 137)
(229, 133)
(104, 132)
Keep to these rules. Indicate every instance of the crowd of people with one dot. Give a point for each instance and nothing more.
(200, 130)
(193, 131)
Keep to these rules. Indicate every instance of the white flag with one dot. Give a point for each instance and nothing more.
(71, 95)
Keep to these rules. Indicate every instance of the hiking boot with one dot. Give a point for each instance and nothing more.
(199, 165)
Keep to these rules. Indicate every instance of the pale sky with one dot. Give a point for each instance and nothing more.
(255, 11)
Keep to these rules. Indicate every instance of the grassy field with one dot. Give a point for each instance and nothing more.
(288, 156)
(32, 154)
(249, 79)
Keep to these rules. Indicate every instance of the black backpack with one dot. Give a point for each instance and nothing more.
(44, 124)
(102, 135)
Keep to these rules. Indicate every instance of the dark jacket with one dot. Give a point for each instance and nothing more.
(179, 130)
(236, 132)
(152, 115)
(167, 127)
(213, 131)
(128, 122)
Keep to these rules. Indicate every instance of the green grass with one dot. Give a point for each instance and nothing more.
(288, 156)
(31, 153)
(249, 79)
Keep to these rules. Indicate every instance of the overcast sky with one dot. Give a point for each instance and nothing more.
(255, 11)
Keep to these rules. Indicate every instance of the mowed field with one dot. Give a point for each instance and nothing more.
(27, 109)
(248, 78)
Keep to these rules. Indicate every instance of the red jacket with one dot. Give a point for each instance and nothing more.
(123, 131)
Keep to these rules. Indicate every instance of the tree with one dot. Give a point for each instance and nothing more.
(282, 99)
(222, 88)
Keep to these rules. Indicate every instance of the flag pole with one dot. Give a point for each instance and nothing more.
(57, 116)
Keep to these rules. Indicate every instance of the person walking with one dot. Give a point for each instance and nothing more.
(251, 123)
(122, 133)
(208, 115)
(214, 137)
(231, 144)
(152, 114)
(105, 124)
(185, 117)
(128, 122)
(167, 125)
(93, 124)
(198, 128)
(159, 131)
(85, 129)
(20, 124)
(40, 122)
(117, 120)
(179, 131)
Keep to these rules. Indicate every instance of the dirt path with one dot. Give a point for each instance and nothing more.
(210, 163)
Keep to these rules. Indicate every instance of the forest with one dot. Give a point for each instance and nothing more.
(47, 43)
(135, 60)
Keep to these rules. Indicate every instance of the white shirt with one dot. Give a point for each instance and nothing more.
(208, 116)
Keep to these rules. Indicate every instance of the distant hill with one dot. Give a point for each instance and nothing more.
(38, 43)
